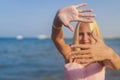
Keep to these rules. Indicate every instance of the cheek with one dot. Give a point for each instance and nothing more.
(80, 38)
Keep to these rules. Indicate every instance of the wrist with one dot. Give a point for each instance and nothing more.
(114, 59)
(110, 54)
(57, 22)
(57, 28)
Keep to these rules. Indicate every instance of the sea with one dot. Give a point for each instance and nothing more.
(38, 59)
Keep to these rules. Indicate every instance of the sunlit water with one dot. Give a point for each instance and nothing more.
(33, 59)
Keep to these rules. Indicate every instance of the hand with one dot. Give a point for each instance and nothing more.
(93, 52)
(81, 57)
(71, 14)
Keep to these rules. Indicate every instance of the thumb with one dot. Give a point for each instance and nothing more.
(70, 27)
(94, 36)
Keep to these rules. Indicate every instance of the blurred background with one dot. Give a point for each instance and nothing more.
(26, 50)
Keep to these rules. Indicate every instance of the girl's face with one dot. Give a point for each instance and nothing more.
(85, 34)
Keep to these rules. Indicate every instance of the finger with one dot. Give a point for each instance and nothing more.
(87, 20)
(82, 61)
(81, 52)
(87, 46)
(86, 61)
(84, 52)
(96, 38)
(73, 53)
(71, 59)
(80, 5)
(85, 10)
(70, 27)
(83, 57)
(86, 15)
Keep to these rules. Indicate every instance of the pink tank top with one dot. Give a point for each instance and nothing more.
(75, 71)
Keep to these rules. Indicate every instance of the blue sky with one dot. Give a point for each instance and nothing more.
(31, 18)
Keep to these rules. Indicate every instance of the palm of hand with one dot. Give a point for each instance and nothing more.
(71, 14)
(68, 14)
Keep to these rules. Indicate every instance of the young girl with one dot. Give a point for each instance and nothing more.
(89, 56)
(85, 71)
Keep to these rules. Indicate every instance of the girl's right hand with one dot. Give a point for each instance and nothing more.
(73, 14)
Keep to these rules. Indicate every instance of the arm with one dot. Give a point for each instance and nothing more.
(57, 37)
(113, 60)
(98, 52)
(107, 55)
(63, 17)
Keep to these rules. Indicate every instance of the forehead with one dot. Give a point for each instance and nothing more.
(84, 27)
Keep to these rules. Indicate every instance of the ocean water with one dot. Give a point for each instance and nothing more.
(34, 59)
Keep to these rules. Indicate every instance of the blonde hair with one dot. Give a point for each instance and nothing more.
(93, 26)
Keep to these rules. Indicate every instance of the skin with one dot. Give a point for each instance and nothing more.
(99, 52)
(92, 53)
(63, 17)
(72, 14)
(85, 36)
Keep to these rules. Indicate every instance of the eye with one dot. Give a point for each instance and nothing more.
(80, 34)
(89, 34)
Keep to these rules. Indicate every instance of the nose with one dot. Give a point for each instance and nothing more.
(85, 37)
